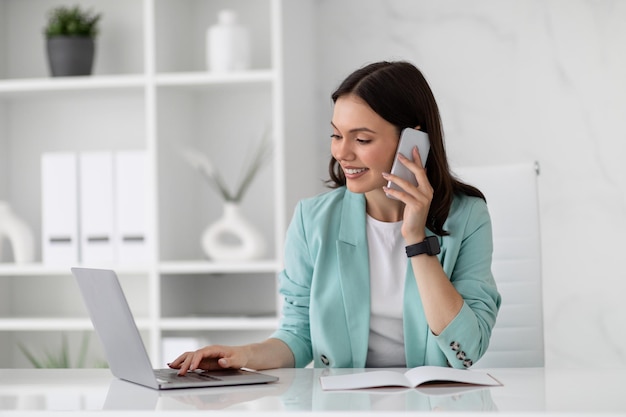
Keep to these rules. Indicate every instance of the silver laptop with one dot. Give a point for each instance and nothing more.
(124, 349)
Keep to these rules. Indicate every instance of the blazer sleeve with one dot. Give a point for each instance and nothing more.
(466, 337)
(295, 288)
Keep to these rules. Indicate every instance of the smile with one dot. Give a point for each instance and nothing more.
(353, 171)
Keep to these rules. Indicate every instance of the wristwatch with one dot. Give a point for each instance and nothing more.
(429, 246)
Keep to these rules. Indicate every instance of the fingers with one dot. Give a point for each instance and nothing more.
(417, 168)
(417, 157)
(182, 363)
(177, 363)
(210, 357)
(190, 361)
(417, 200)
(423, 191)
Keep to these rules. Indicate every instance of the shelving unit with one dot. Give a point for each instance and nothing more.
(150, 91)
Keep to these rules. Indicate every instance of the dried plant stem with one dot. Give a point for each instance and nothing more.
(253, 165)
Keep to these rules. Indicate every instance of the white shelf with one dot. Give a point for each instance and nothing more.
(178, 324)
(44, 324)
(151, 92)
(208, 78)
(219, 323)
(38, 269)
(55, 324)
(9, 269)
(11, 88)
(205, 267)
(172, 267)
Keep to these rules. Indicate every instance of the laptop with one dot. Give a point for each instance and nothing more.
(124, 395)
(124, 349)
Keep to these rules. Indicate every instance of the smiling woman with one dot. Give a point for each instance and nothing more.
(363, 143)
(421, 259)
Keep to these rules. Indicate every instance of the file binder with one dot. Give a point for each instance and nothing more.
(133, 242)
(96, 207)
(59, 208)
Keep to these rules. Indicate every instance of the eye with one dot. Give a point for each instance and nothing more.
(363, 141)
(335, 136)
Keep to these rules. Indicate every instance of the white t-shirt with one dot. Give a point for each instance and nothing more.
(388, 263)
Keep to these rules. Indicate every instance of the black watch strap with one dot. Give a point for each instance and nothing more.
(429, 246)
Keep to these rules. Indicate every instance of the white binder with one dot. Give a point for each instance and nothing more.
(59, 208)
(131, 207)
(96, 207)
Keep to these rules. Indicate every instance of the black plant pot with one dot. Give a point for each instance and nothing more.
(70, 55)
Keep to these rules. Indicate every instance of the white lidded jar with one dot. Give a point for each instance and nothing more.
(228, 44)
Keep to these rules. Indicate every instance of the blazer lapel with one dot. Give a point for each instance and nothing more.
(354, 274)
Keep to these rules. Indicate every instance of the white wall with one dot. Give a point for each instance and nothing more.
(520, 81)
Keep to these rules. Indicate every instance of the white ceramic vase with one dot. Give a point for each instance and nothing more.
(228, 44)
(232, 237)
(18, 234)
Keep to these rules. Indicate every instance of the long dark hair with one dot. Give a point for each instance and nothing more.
(399, 93)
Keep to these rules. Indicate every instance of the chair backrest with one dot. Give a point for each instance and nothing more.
(511, 192)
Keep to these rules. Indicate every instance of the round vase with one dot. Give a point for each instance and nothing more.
(232, 237)
(18, 234)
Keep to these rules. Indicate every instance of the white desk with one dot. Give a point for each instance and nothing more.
(524, 392)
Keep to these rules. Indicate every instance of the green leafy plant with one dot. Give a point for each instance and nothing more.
(72, 21)
(252, 164)
(60, 359)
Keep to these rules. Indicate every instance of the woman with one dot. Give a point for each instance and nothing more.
(351, 297)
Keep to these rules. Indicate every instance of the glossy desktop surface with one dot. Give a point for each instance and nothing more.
(525, 391)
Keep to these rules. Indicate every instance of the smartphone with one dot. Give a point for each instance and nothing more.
(409, 139)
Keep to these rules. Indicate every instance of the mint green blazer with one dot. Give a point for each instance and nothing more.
(326, 286)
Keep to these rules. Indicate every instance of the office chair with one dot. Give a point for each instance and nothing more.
(511, 191)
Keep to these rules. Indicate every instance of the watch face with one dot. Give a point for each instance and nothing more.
(429, 246)
(433, 245)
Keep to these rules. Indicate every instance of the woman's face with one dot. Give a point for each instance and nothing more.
(363, 143)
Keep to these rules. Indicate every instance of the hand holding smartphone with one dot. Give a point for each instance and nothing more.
(409, 139)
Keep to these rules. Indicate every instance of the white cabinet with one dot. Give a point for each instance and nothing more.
(151, 91)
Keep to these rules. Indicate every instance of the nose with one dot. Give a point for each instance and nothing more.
(342, 150)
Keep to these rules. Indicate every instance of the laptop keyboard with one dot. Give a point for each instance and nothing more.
(167, 375)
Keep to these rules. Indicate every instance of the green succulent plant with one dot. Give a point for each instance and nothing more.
(72, 21)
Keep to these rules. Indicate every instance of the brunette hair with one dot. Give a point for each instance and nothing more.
(398, 92)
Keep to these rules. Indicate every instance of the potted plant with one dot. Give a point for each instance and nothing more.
(70, 40)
